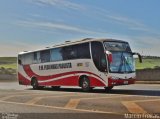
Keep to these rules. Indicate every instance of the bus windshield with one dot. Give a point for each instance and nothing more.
(122, 58)
(123, 62)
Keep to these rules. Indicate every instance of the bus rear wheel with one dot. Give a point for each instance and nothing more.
(35, 84)
(85, 84)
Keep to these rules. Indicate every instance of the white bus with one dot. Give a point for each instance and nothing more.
(87, 63)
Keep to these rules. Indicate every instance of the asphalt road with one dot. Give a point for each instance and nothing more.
(71, 103)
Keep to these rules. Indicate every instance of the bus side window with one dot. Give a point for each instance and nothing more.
(35, 60)
(45, 56)
(56, 54)
(98, 56)
(83, 51)
(36, 57)
(19, 60)
(27, 59)
(69, 52)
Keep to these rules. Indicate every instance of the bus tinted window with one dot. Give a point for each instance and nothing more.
(19, 60)
(36, 57)
(83, 51)
(45, 56)
(27, 58)
(98, 56)
(56, 54)
(69, 52)
(79, 51)
(117, 46)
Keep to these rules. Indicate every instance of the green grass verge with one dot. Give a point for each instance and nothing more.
(148, 63)
(6, 66)
(8, 62)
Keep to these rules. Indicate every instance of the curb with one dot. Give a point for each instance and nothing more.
(147, 82)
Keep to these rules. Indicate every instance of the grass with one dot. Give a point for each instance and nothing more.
(8, 65)
(8, 62)
(12, 65)
(148, 63)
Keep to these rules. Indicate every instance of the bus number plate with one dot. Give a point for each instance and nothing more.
(125, 82)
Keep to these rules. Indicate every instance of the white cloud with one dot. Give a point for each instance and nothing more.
(130, 24)
(118, 19)
(60, 4)
(61, 28)
(57, 26)
(146, 45)
(101, 14)
(12, 49)
(138, 41)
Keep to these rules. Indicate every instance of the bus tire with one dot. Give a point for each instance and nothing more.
(34, 84)
(108, 89)
(85, 84)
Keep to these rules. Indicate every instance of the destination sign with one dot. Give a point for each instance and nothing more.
(55, 66)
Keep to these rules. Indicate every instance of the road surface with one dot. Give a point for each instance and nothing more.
(68, 102)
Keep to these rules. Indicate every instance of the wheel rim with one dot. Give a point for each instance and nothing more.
(85, 84)
(35, 84)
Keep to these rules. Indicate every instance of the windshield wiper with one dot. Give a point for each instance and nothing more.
(120, 66)
(125, 64)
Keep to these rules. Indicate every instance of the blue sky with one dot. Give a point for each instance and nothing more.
(33, 24)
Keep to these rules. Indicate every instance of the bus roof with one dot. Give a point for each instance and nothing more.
(68, 43)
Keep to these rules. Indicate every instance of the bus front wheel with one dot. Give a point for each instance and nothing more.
(108, 89)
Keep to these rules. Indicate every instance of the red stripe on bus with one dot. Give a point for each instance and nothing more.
(72, 81)
(23, 80)
(30, 73)
(68, 81)
(95, 82)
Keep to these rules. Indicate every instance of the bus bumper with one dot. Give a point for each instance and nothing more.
(116, 82)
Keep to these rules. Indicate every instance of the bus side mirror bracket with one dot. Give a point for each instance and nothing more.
(139, 56)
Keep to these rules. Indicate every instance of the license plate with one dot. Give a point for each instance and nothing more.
(125, 82)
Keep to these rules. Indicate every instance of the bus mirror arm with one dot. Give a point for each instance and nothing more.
(139, 56)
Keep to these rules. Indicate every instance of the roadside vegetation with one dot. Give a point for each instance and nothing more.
(8, 65)
(148, 63)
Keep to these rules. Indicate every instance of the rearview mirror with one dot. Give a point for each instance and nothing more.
(139, 56)
(109, 56)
